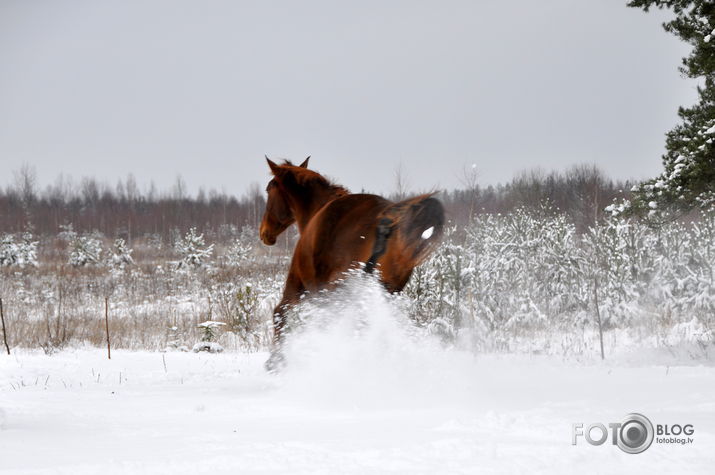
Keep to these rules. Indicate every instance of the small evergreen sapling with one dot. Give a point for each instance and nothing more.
(239, 253)
(193, 250)
(85, 250)
(8, 251)
(21, 254)
(121, 255)
(209, 334)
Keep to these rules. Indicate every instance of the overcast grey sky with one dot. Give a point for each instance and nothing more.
(205, 88)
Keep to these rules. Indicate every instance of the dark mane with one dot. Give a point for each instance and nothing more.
(307, 178)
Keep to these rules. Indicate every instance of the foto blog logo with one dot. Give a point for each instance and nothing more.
(633, 435)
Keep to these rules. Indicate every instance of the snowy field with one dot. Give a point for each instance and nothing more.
(362, 394)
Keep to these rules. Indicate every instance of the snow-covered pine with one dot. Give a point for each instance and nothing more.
(688, 173)
(22, 253)
(8, 251)
(209, 333)
(121, 255)
(192, 250)
(85, 250)
(239, 253)
(27, 251)
(530, 271)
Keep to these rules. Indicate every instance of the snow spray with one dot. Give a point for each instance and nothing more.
(356, 346)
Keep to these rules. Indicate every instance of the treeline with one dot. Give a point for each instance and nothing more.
(120, 211)
(581, 193)
(125, 211)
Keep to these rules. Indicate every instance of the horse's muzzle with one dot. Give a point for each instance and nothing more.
(267, 239)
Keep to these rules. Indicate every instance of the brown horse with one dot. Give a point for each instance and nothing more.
(338, 231)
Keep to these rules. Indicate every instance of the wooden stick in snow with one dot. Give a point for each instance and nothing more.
(106, 324)
(4, 332)
(598, 315)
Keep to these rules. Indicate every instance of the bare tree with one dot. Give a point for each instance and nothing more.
(470, 181)
(26, 183)
(401, 182)
(179, 191)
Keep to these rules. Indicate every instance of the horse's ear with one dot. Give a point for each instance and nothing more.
(305, 163)
(273, 165)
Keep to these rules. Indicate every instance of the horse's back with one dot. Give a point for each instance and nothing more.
(344, 233)
(339, 235)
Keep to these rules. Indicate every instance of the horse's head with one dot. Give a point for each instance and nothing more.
(278, 215)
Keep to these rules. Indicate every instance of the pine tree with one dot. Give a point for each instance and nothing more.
(85, 250)
(192, 250)
(27, 251)
(209, 330)
(121, 255)
(239, 252)
(688, 179)
(8, 251)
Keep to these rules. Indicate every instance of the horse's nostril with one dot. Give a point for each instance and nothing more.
(268, 240)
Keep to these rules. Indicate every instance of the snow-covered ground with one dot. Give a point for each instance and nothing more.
(362, 394)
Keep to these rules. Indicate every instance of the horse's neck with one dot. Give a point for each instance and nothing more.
(304, 210)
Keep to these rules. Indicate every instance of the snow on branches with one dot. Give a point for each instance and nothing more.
(193, 250)
(530, 271)
(121, 255)
(22, 253)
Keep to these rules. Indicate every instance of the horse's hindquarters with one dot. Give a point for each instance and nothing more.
(418, 225)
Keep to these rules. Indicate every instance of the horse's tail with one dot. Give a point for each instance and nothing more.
(416, 224)
(420, 226)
